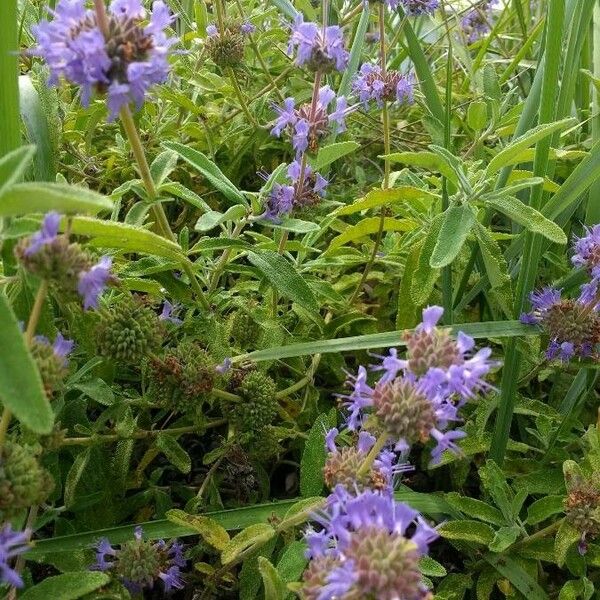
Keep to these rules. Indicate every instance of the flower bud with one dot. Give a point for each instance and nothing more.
(258, 407)
(244, 331)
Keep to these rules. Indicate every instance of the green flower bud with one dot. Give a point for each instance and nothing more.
(128, 331)
(23, 482)
(244, 331)
(53, 368)
(259, 405)
(183, 378)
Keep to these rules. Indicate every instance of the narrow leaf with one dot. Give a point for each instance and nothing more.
(456, 226)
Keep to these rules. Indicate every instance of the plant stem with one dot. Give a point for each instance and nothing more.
(226, 395)
(373, 454)
(293, 388)
(138, 435)
(240, 96)
(385, 117)
(222, 262)
(34, 318)
(10, 134)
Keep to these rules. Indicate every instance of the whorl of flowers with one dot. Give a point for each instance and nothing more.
(587, 251)
(140, 563)
(342, 466)
(364, 549)
(318, 48)
(476, 22)
(419, 397)
(372, 85)
(572, 325)
(226, 47)
(125, 61)
(304, 189)
(12, 544)
(415, 7)
(65, 265)
(309, 123)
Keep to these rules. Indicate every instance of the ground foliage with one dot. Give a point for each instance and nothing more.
(207, 422)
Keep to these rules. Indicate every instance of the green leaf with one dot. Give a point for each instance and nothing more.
(284, 278)
(208, 168)
(431, 567)
(210, 531)
(529, 218)
(566, 537)
(582, 588)
(252, 535)
(331, 153)
(26, 198)
(74, 476)
(387, 197)
(176, 455)
(67, 586)
(162, 166)
(519, 578)
(475, 508)
(13, 166)
(545, 507)
(295, 225)
(293, 561)
(313, 458)
(477, 115)
(211, 219)
(275, 588)
(425, 275)
(455, 228)
(367, 227)
(426, 160)
(21, 389)
(467, 531)
(504, 537)
(355, 52)
(506, 155)
(35, 114)
(491, 329)
(110, 234)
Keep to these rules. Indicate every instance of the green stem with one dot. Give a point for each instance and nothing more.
(226, 395)
(293, 388)
(138, 435)
(385, 117)
(240, 96)
(373, 454)
(189, 271)
(222, 262)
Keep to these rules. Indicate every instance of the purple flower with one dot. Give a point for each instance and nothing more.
(317, 48)
(308, 123)
(12, 544)
(415, 7)
(92, 282)
(212, 30)
(305, 189)
(46, 235)
(224, 367)
(363, 537)
(140, 564)
(247, 28)
(587, 251)
(476, 23)
(125, 66)
(167, 314)
(372, 85)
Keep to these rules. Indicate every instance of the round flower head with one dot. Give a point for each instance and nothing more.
(342, 464)
(308, 124)
(320, 49)
(418, 398)
(52, 361)
(124, 61)
(304, 190)
(12, 544)
(140, 564)
(226, 48)
(364, 549)
(587, 251)
(572, 325)
(372, 85)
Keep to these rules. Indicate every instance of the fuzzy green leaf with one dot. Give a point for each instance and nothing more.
(212, 533)
(68, 586)
(174, 452)
(455, 228)
(254, 534)
(274, 586)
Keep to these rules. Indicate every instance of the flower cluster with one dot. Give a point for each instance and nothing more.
(64, 265)
(414, 7)
(318, 48)
(304, 189)
(12, 544)
(140, 563)
(124, 61)
(368, 546)
(419, 397)
(51, 360)
(572, 324)
(310, 122)
(476, 23)
(371, 84)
